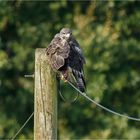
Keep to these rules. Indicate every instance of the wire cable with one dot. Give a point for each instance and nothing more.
(91, 100)
(62, 96)
(22, 126)
(103, 107)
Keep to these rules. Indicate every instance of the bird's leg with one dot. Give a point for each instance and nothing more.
(64, 76)
(61, 76)
(67, 75)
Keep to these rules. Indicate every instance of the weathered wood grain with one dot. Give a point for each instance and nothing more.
(45, 99)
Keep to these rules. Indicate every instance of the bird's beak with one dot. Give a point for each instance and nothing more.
(67, 35)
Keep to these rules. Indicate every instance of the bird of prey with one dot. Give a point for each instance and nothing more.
(66, 57)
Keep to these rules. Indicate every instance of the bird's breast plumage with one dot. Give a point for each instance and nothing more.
(57, 51)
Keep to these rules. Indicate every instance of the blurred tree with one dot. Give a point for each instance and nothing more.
(109, 35)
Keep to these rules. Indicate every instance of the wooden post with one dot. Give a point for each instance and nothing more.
(45, 103)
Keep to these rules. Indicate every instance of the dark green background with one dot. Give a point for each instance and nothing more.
(109, 34)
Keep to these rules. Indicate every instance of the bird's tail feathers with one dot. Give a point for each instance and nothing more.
(80, 83)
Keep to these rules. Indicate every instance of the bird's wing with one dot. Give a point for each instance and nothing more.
(76, 55)
(76, 61)
(75, 45)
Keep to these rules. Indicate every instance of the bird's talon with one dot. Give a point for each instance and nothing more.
(63, 78)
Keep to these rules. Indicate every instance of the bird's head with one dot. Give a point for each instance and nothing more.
(65, 33)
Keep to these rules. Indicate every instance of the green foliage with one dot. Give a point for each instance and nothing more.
(108, 33)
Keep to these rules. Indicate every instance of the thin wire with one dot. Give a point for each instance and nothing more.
(66, 100)
(87, 97)
(101, 106)
(62, 96)
(22, 126)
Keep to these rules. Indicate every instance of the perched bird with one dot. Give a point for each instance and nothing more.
(66, 57)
